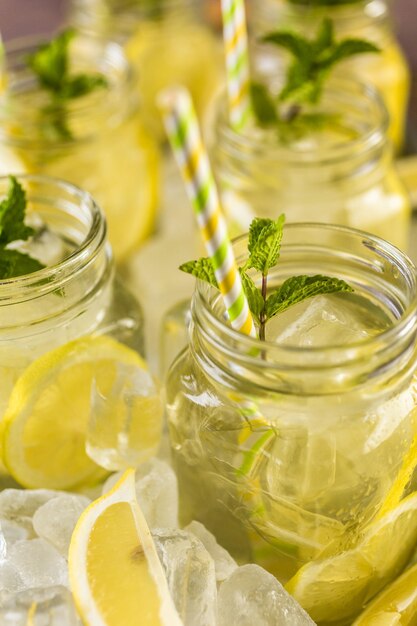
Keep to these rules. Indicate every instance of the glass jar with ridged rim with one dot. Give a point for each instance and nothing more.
(289, 449)
(342, 173)
(55, 323)
(97, 141)
(166, 41)
(365, 19)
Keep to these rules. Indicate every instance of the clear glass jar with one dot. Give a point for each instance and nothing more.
(75, 295)
(166, 41)
(342, 176)
(108, 153)
(288, 448)
(366, 19)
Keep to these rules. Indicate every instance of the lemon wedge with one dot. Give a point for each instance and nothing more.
(44, 427)
(115, 573)
(337, 587)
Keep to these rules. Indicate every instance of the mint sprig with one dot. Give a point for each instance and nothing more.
(13, 228)
(51, 65)
(312, 62)
(203, 269)
(264, 247)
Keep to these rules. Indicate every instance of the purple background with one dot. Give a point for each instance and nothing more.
(22, 17)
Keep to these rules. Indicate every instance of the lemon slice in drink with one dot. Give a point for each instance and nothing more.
(115, 573)
(395, 605)
(338, 587)
(44, 428)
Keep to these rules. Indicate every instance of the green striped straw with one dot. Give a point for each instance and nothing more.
(184, 135)
(237, 61)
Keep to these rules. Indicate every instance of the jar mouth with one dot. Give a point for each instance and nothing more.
(364, 108)
(105, 106)
(73, 205)
(370, 264)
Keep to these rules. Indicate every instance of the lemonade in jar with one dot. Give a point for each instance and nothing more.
(70, 111)
(166, 41)
(296, 451)
(368, 19)
(71, 336)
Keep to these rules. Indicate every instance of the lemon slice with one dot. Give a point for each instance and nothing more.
(338, 587)
(44, 428)
(397, 604)
(115, 573)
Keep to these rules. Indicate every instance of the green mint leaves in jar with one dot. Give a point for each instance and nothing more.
(264, 245)
(313, 60)
(13, 229)
(51, 66)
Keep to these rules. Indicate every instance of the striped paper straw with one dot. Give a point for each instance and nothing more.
(237, 61)
(184, 135)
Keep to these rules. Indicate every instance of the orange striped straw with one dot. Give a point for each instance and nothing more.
(237, 61)
(184, 135)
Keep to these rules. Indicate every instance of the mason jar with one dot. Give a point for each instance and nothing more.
(103, 146)
(365, 19)
(166, 41)
(341, 175)
(75, 305)
(287, 449)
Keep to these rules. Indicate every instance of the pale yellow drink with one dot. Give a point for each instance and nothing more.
(365, 19)
(108, 152)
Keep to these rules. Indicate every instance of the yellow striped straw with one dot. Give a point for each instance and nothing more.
(237, 61)
(184, 135)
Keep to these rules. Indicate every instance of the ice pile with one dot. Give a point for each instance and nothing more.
(208, 587)
(35, 532)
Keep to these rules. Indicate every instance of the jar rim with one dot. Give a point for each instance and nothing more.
(50, 277)
(242, 145)
(218, 331)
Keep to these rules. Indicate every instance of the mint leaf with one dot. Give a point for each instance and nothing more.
(12, 215)
(202, 269)
(14, 263)
(252, 293)
(351, 47)
(263, 105)
(325, 36)
(50, 61)
(304, 123)
(299, 288)
(296, 44)
(81, 85)
(265, 236)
